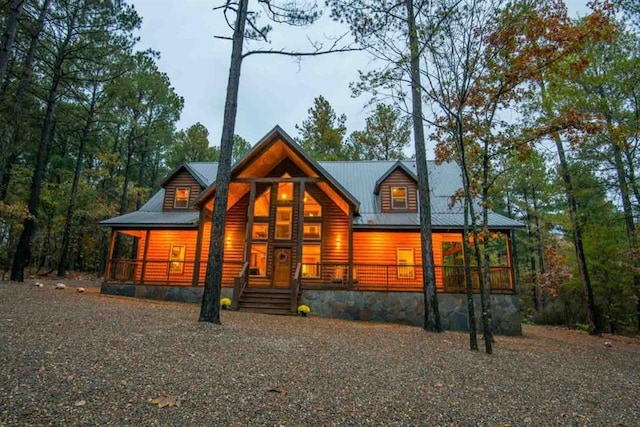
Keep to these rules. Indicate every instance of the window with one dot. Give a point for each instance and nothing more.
(453, 265)
(312, 208)
(260, 231)
(261, 205)
(311, 261)
(181, 199)
(399, 198)
(283, 223)
(285, 192)
(176, 259)
(405, 258)
(258, 260)
(312, 231)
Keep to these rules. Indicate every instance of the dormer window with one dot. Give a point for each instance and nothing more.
(181, 200)
(399, 198)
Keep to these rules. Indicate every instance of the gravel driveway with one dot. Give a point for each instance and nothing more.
(71, 358)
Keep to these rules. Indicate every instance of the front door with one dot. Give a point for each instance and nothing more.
(282, 267)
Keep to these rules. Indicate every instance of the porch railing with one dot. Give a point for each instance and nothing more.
(383, 277)
(392, 277)
(295, 288)
(239, 284)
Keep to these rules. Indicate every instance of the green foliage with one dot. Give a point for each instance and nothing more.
(385, 136)
(191, 145)
(322, 134)
(240, 147)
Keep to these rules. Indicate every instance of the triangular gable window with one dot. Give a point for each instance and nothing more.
(262, 203)
(311, 207)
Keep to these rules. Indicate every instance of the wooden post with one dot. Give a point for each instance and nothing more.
(107, 274)
(300, 221)
(198, 255)
(511, 251)
(249, 233)
(350, 243)
(144, 257)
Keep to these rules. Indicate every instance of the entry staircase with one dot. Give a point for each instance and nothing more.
(266, 300)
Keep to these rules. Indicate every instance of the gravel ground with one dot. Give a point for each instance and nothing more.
(71, 358)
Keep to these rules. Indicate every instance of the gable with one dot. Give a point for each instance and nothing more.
(398, 179)
(181, 179)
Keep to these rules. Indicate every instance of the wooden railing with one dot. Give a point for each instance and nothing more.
(239, 283)
(383, 277)
(295, 288)
(392, 277)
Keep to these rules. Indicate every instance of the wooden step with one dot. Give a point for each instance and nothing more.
(266, 300)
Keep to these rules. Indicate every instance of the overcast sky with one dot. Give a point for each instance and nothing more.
(273, 89)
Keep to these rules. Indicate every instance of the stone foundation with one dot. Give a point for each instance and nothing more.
(408, 308)
(393, 307)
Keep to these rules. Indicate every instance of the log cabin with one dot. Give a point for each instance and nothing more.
(342, 237)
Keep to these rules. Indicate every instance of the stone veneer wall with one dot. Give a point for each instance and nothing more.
(393, 307)
(408, 308)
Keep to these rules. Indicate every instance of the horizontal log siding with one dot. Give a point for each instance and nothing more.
(182, 179)
(233, 243)
(398, 179)
(157, 265)
(381, 247)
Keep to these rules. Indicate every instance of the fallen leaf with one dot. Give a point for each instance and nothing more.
(80, 403)
(282, 391)
(165, 399)
(439, 385)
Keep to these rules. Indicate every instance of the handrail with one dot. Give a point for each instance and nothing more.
(295, 288)
(239, 283)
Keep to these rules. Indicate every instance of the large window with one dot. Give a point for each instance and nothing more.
(181, 199)
(312, 231)
(261, 205)
(285, 191)
(260, 231)
(312, 208)
(258, 260)
(283, 223)
(311, 261)
(176, 259)
(399, 198)
(405, 258)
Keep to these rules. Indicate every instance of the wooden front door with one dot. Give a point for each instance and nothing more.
(282, 267)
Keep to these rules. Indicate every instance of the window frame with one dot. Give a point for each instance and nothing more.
(306, 211)
(266, 259)
(289, 223)
(175, 197)
(406, 270)
(313, 267)
(405, 197)
(176, 262)
(260, 224)
(312, 224)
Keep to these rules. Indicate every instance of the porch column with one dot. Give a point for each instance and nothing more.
(144, 256)
(511, 254)
(249, 233)
(112, 244)
(350, 282)
(198, 255)
(300, 222)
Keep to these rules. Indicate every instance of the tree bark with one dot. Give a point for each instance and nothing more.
(432, 313)
(9, 36)
(10, 152)
(210, 308)
(66, 233)
(23, 250)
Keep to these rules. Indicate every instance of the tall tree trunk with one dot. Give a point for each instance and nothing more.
(10, 151)
(628, 217)
(432, 313)
(23, 250)
(66, 233)
(485, 296)
(9, 36)
(468, 280)
(587, 289)
(210, 308)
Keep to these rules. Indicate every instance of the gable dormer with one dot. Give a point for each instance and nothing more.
(181, 189)
(397, 190)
